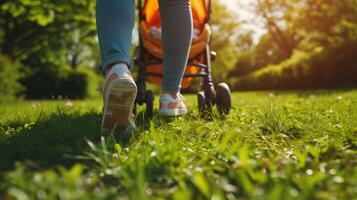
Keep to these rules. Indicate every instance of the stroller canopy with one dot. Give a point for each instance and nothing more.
(151, 14)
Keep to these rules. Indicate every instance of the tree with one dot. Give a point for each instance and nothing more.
(225, 35)
(258, 56)
(323, 22)
(318, 38)
(272, 12)
(46, 38)
(53, 29)
(308, 22)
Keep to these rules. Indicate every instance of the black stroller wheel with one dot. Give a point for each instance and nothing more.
(204, 107)
(201, 100)
(149, 100)
(223, 99)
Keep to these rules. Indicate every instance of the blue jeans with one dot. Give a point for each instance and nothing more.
(115, 21)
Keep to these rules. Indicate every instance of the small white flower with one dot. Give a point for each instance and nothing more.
(33, 104)
(69, 104)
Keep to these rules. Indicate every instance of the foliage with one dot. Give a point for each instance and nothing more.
(224, 28)
(329, 22)
(309, 22)
(9, 75)
(273, 146)
(266, 52)
(55, 29)
(333, 68)
(60, 82)
(50, 185)
(295, 26)
(94, 82)
(45, 37)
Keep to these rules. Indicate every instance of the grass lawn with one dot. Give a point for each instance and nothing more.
(290, 145)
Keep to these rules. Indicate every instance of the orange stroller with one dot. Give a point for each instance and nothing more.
(149, 58)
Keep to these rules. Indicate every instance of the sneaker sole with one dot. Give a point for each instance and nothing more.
(119, 103)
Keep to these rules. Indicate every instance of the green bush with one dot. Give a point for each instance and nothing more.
(55, 82)
(93, 81)
(335, 67)
(9, 75)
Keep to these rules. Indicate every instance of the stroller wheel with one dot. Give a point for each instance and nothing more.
(203, 106)
(149, 100)
(224, 101)
(201, 102)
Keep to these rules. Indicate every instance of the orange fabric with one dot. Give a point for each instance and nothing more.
(199, 12)
(186, 82)
(154, 46)
(151, 14)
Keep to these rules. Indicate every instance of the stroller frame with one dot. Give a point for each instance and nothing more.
(206, 98)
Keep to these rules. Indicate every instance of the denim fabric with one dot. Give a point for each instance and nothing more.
(115, 21)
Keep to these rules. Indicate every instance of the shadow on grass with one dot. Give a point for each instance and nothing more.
(61, 137)
(58, 139)
(49, 141)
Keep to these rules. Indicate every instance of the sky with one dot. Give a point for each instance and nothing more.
(240, 7)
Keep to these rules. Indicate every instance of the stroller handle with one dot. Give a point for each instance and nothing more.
(209, 9)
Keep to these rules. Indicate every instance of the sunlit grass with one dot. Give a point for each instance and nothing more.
(291, 145)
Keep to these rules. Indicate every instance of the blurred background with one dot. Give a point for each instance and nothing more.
(49, 49)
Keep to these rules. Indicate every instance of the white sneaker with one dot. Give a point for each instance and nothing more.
(119, 95)
(170, 106)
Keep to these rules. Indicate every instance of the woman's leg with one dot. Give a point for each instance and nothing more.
(177, 28)
(115, 21)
